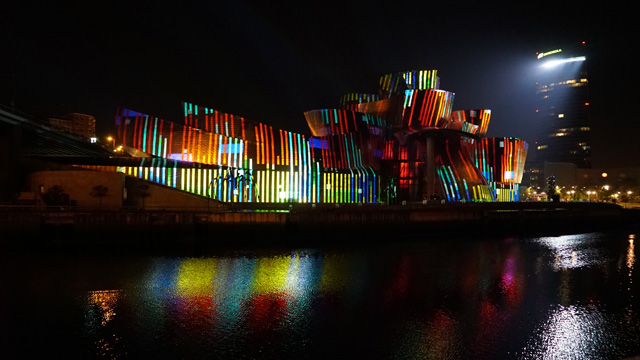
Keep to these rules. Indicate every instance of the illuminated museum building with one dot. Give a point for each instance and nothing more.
(563, 107)
(403, 144)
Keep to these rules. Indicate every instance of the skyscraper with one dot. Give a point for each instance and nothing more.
(562, 113)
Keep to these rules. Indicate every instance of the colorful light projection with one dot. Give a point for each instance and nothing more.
(406, 143)
(238, 161)
(459, 178)
(501, 161)
(424, 136)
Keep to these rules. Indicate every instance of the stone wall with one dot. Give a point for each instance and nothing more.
(78, 184)
(123, 191)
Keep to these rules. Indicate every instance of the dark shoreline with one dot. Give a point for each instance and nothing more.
(164, 230)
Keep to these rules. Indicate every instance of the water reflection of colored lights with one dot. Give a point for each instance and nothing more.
(106, 301)
(571, 251)
(573, 332)
(631, 256)
(228, 283)
(196, 276)
(509, 284)
(443, 337)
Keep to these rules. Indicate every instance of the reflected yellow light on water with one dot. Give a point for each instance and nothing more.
(106, 301)
(271, 275)
(631, 256)
(335, 272)
(196, 276)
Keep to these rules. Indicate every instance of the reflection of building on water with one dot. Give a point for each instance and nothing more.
(446, 300)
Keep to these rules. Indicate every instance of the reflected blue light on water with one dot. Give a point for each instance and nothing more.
(530, 298)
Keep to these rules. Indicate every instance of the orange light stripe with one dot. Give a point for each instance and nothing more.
(209, 160)
(281, 148)
(273, 155)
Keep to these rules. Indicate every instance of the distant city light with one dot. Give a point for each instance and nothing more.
(552, 63)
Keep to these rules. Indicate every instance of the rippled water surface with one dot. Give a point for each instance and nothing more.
(564, 297)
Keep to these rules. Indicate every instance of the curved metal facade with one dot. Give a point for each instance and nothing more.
(404, 144)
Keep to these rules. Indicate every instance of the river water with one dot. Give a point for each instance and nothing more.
(558, 297)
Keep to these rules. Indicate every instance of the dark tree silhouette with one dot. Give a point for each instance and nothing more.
(55, 196)
(99, 191)
(143, 192)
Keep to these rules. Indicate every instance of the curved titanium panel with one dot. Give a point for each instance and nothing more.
(427, 108)
(478, 117)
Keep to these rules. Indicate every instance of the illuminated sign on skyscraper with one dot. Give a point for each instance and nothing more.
(562, 112)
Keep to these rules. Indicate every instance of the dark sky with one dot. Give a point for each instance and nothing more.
(271, 61)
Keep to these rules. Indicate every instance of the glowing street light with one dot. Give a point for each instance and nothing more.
(112, 140)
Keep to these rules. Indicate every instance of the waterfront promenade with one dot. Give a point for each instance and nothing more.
(287, 221)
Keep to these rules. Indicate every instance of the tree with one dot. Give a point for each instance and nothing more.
(143, 192)
(99, 191)
(55, 196)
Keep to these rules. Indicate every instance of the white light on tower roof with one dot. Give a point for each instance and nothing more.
(552, 63)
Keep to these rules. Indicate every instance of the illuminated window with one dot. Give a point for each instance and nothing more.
(560, 116)
(585, 128)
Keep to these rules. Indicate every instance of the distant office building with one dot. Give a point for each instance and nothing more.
(564, 126)
(80, 125)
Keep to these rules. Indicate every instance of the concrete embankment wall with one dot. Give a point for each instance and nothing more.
(321, 223)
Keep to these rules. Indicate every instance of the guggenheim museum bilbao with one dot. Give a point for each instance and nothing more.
(403, 144)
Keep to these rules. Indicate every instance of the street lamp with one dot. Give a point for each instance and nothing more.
(112, 140)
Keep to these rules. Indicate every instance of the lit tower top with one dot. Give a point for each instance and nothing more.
(562, 107)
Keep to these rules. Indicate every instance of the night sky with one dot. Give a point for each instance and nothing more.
(271, 61)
